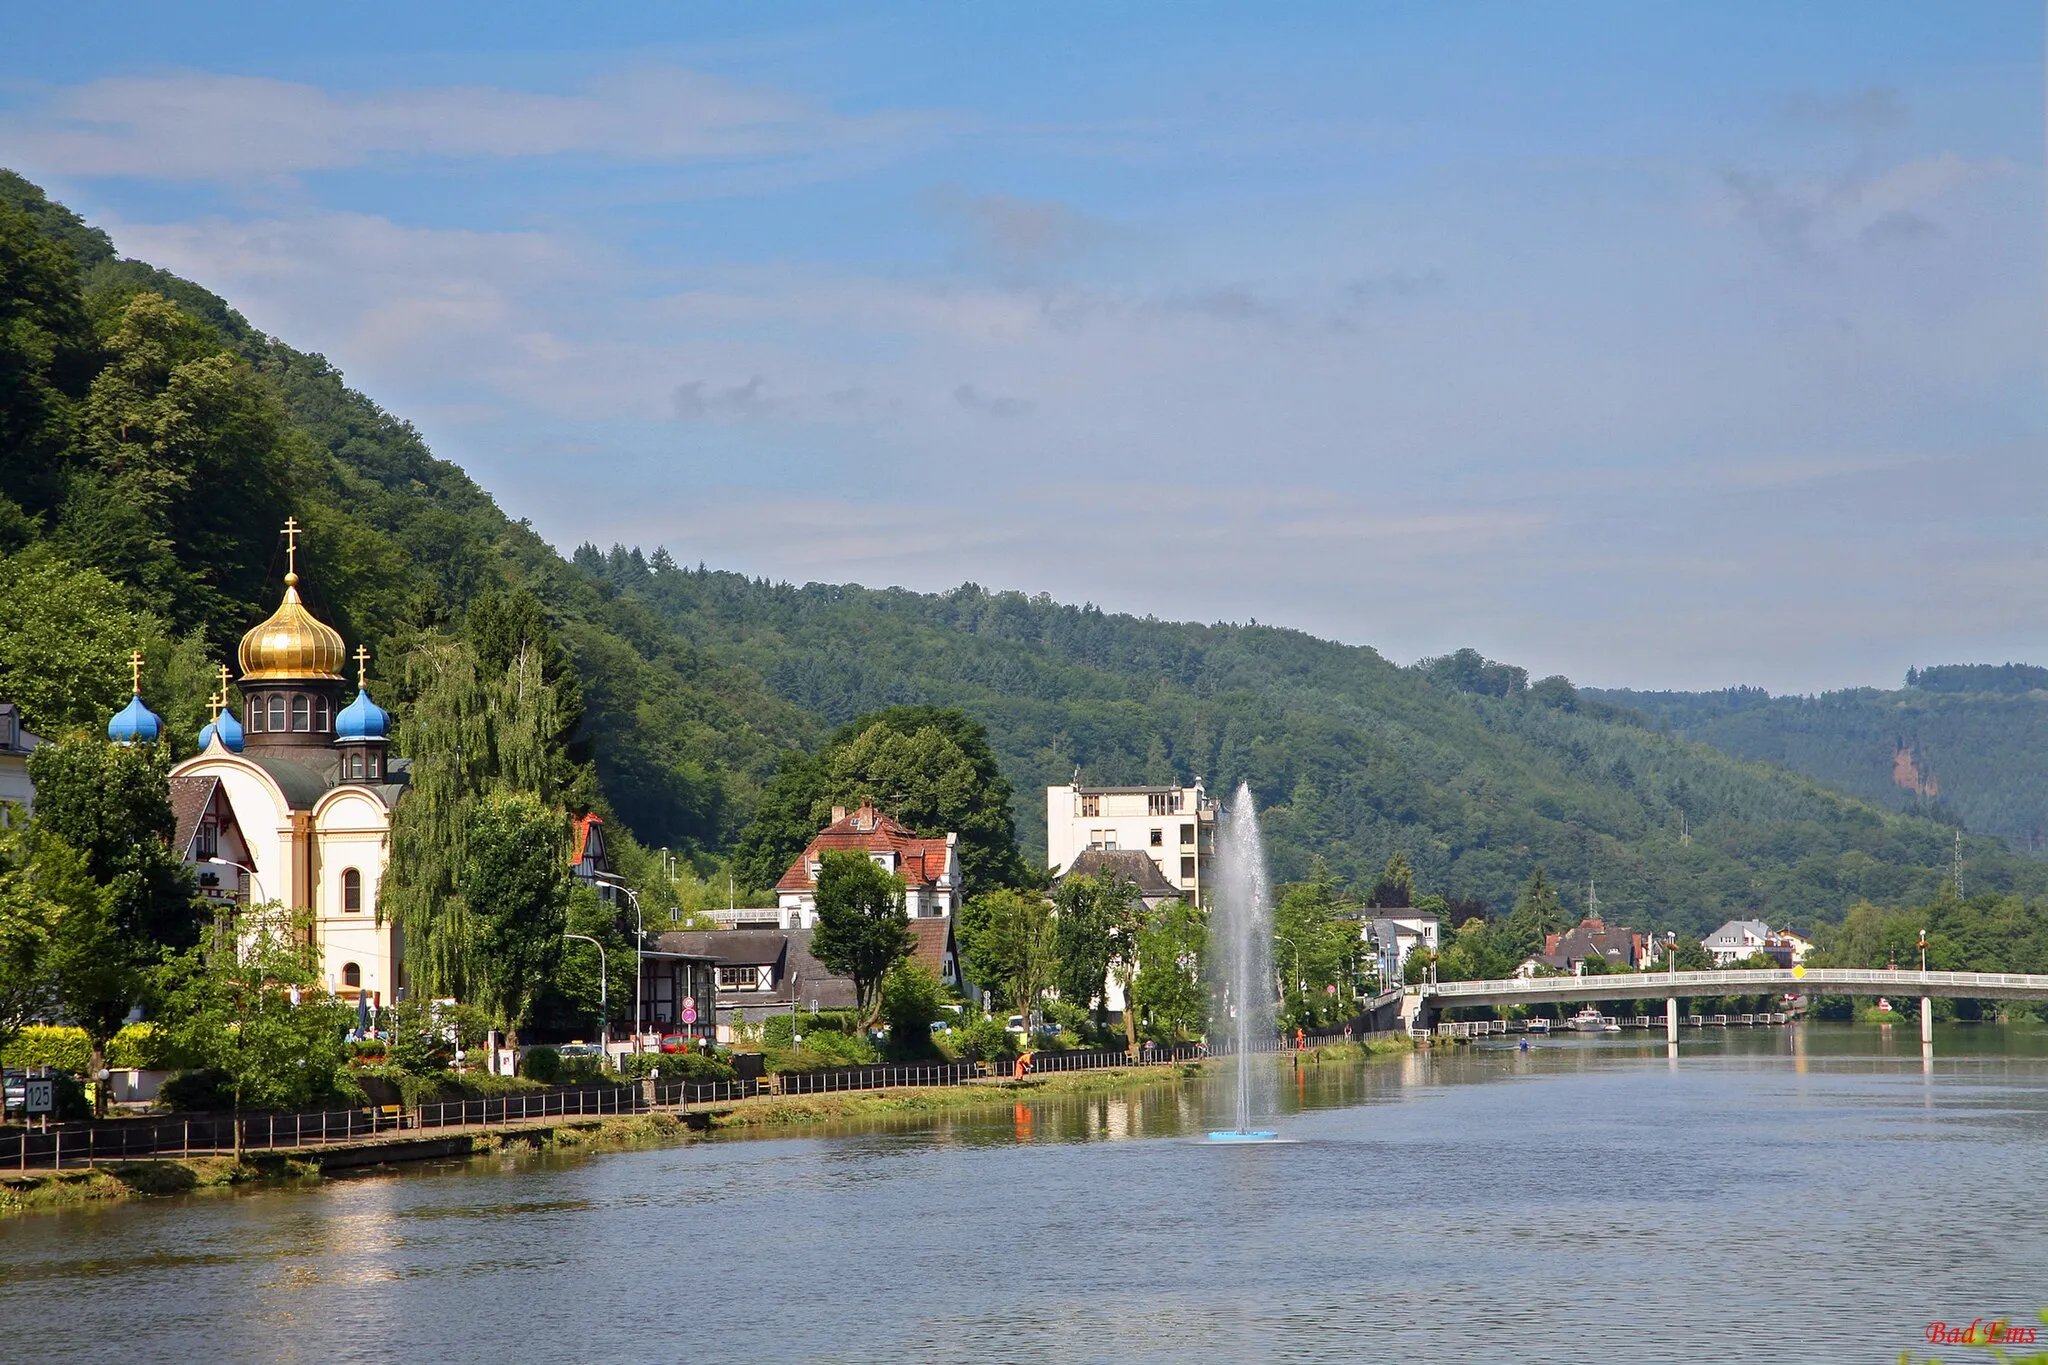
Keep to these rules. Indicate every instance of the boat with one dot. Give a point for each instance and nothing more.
(1589, 1020)
(1539, 1026)
(1610, 1028)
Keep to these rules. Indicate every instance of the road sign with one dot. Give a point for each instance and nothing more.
(689, 1002)
(40, 1096)
(689, 1014)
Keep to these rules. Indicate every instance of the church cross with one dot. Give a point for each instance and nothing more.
(135, 668)
(362, 665)
(291, 549)
(220, 701)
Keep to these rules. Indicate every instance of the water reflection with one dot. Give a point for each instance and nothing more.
(1589, 1198)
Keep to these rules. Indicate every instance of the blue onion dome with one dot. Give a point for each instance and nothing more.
(362, 719)
(205, 736)
(230, 731)
(136, 724)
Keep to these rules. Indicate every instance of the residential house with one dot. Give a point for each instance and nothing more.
(1135, 867)
(1736, 940)
(762, 972)
(1394, 938)
(1173, 826)
(1620, 946)
(929, 866)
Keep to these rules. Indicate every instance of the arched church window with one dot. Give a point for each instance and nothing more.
(352, 975)
(355, 765)
(256, 714)
(373, 765)
(277, 708)
(352, 891)
(320, 714)
(301, 712)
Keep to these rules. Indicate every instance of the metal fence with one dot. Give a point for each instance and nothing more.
(70, 1145)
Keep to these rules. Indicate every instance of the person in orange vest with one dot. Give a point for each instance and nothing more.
(1300, 1040)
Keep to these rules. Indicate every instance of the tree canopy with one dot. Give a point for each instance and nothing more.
(861, 931)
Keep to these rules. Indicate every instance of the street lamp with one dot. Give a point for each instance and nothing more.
(243, 867)
(1923, 950)
(639, 959)
(604, 999)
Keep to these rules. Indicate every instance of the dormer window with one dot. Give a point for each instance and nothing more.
(278, 705)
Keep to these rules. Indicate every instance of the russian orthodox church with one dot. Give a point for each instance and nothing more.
(293, 805)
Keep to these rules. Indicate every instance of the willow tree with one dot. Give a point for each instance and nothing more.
(470, 731)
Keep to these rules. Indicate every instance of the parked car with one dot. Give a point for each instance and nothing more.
(568, 1050)
(1016, 1025)
(15, 1090)
(676, 1042)
(940, 1026)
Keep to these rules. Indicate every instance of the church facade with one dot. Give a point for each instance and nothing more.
(293, 805)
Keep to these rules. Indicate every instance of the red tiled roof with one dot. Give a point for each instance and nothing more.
(934, 937)
(919, 861)
(190, 796)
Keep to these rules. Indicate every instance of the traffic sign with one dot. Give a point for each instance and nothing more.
(689, 1014)
(689, 1002)
(40, 1097)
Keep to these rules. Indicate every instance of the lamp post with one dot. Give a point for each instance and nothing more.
(639, 958)
(604, 998)
(242, 867)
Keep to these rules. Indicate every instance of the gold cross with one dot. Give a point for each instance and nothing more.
(220, 700)
(135, 667)
(362, 665)
(291, 549)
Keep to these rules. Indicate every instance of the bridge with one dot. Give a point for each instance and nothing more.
(1418, 1003)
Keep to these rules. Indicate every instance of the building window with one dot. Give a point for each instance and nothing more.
(277, 710)
(739, 976)
(320, 714)
(1162, 803)
(370, 761)
(1187, 835)
(207, 842)
(355, 764)
(352, 975)
(1159, 838)
(1091, 807)
(301, 713)
(352, 891)
(1187, 868)
(256, 714)
(796, 919)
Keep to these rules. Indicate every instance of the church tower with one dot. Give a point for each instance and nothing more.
(291, 675)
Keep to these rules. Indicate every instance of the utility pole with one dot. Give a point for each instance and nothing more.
(604, 1000)
(1956, 870)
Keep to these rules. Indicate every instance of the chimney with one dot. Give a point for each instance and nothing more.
(838, 814)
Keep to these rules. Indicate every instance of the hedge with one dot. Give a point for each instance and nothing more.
(65, 1048)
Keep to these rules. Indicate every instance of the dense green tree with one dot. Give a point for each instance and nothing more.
(1313, 952)
(112, 803)
(861, 931)
(1395, 889)
(571, 997)
(1173, 947)
(65, 636)
(929, 767)
(911, 997)
(515, 883)
(26, 917)
(1016, 952)
(249, 1006)
(1090, 916)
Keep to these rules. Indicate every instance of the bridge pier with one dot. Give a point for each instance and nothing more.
(1926, 1021)
(1671, 1019)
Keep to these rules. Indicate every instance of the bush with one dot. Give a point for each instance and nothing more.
(698, 1068)
(982, 1038)
(775, 1029)
(910, 1002)
(207, 1090)
(542, 1064)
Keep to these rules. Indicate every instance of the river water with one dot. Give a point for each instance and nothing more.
(1808, 1194)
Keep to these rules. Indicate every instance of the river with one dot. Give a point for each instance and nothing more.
(1807, 1194)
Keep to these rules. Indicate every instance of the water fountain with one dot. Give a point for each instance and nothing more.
(1241, 937)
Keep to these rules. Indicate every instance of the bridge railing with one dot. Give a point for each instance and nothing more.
(1740, 981)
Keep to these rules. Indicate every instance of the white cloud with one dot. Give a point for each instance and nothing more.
(195, 125)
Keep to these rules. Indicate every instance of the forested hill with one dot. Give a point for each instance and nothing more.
(1474, 775)
(1967, 743)
(151, 442)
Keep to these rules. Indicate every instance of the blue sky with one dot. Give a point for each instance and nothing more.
(1656, 345)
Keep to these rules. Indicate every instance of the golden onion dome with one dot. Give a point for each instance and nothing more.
(292, 644)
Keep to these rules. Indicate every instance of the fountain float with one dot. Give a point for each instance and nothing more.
(1241, 932)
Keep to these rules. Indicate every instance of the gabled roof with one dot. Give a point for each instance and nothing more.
(190, 796)
(14, 739)
(920, 861)
(934, 941)
(728, 947)
(1133, 865)
(798, 975)
(1733, 930)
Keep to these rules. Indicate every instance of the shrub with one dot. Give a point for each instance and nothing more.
(63, 1049)
(910, 1002)
(775, 1029)
(696, 1067)
(543, 1064)
(205, 1090)
(982, 1038)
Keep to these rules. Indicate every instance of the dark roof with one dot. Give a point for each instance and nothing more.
(190, 796)
(302, 784)
(14, 739)
(1133, 865)
(1161, 787)
(934, 938)
(728, 947)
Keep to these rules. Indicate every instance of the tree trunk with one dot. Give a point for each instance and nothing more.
(99, 1088)
(1130, 1017)
(512, 1045)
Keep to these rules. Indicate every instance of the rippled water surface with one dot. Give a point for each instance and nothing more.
(1784, 1195)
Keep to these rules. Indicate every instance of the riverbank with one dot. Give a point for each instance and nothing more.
(38, 1191)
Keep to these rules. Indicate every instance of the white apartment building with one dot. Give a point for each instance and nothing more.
(1174, 826)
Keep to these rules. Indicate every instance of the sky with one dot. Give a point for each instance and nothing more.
(1654, 345)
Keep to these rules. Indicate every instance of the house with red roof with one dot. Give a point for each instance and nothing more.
(929, 867)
